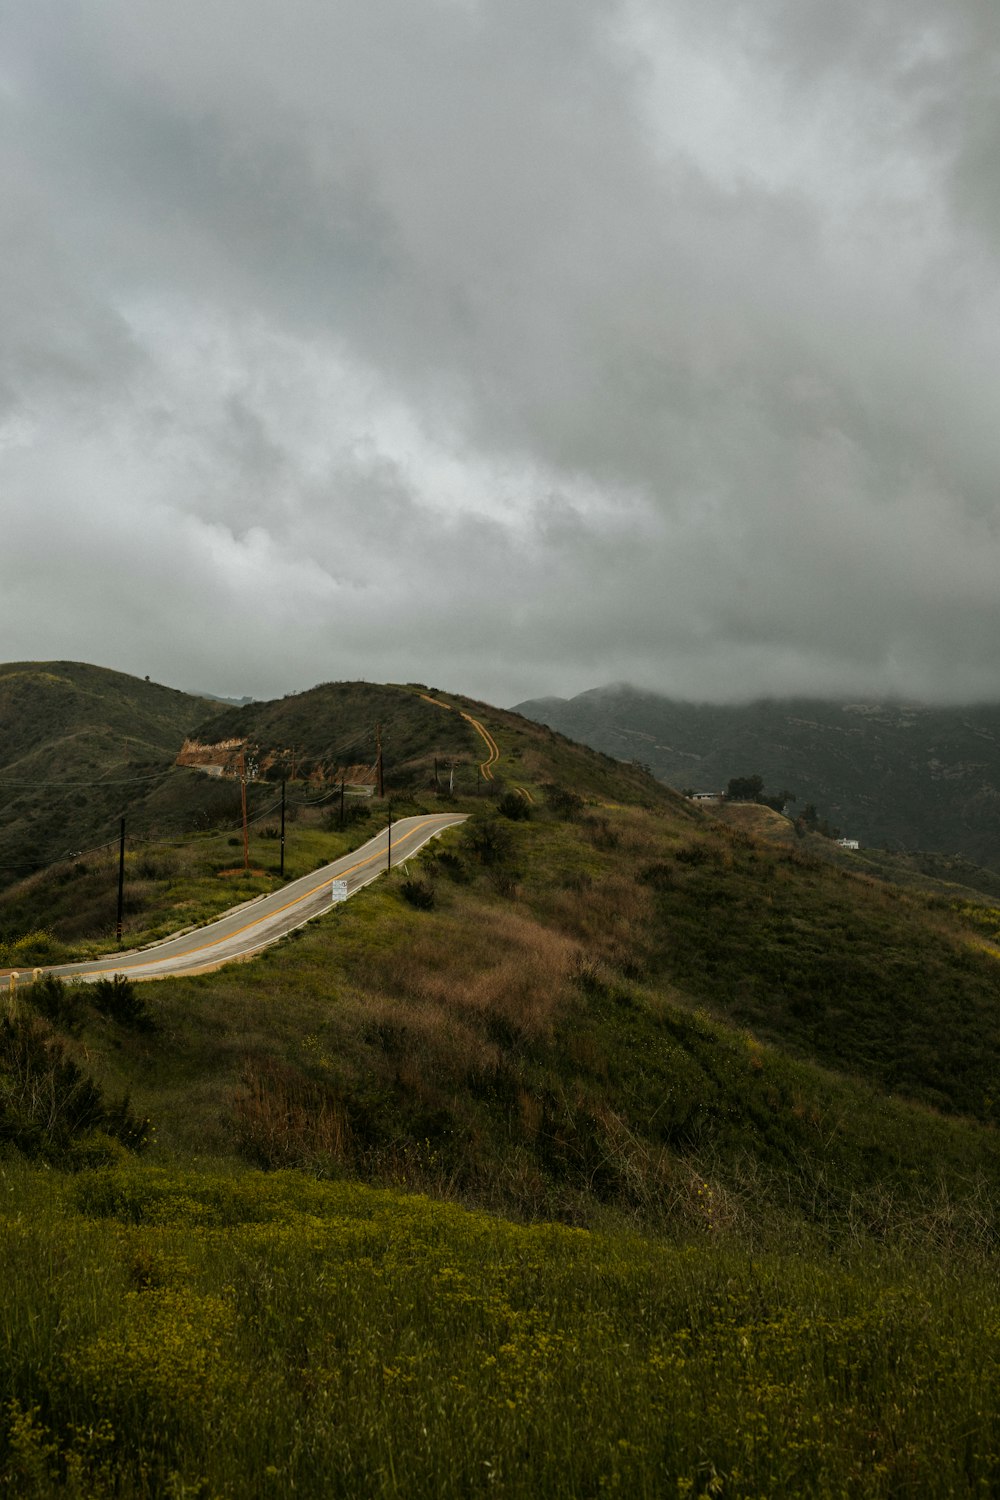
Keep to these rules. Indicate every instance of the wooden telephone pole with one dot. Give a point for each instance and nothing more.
(378, 760)
(121, 882)
(243, 800)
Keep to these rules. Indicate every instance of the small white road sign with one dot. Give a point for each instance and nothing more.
(338, 891)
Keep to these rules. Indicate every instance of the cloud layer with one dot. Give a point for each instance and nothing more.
(512, 348)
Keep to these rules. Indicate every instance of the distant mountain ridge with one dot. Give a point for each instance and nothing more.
(894, 774)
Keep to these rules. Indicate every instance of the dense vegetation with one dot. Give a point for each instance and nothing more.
(732, 1096)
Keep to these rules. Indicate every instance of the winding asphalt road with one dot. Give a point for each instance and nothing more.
(247, 929)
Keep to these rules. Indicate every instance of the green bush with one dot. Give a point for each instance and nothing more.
(116, 998)
(452, 865)
(51, 998)
(488, 840)
(563, 802)
(31, 950)
(48, 1106)
(512, 805)
(418, 893)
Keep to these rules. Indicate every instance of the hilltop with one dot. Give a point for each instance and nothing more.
(905, 776)
(92, 745)
(335, 728)
(83, 745)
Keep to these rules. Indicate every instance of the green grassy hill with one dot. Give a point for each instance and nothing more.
(602, 957)
(78, 744)
(82, 746)
(340, 723)
(753, 1085)
(212, 1334)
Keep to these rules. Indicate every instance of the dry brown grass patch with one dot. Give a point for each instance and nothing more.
(282, 1119)
(507, 967)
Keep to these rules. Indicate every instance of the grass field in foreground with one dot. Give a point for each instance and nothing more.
(184, 1335)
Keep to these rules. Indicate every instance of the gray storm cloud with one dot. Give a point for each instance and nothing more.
(508, 347)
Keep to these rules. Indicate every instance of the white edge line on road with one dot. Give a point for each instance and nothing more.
(91, 975)
(212, 968)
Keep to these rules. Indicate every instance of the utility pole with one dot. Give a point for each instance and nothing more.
(243, 801)
(437, 784)
(121, 882)
(388, 863)
(341, 804)
(282, 870)
(378, 760)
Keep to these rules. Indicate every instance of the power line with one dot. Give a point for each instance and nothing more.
(123, 781)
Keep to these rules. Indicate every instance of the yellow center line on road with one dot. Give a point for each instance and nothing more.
(484, 733)
(491, 745)
(269, 916)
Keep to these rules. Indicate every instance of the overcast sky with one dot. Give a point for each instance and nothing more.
(511, 346)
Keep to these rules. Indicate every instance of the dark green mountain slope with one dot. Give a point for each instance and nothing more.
(901, 775)
(77, 744)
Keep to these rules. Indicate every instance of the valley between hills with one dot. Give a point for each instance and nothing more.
(608, 1142)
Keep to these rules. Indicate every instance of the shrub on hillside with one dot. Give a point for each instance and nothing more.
(450, 864)
(355, 811)
(54, 1000)
(31, 950)
(512, 805)
(601, 833)
(418, 893)
(563, 802)
(488, 840)
(116, 998)
(157, 866)
(694, 854)
(49, 1108)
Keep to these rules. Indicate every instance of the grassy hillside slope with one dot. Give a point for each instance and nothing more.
(755, 1087)
(549, 1012)
(77, 744)
(183, 826)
